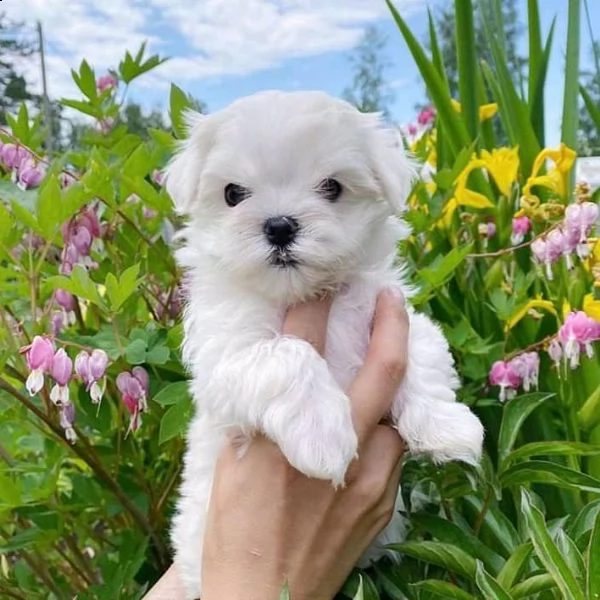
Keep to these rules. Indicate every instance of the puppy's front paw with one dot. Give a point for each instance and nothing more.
(319, 441)
(443, 430)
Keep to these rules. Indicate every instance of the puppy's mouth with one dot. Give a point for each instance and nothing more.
(284, 259)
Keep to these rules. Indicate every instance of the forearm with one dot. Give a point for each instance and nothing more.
(168, 587)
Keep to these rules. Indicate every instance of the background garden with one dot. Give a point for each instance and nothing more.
(93, 398)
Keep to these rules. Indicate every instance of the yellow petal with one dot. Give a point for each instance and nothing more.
(466, 197)
(487, 111)
(455, 105)
(524, 310)
(447, 213)
(591, 307)
(503, 165)
(566, 309)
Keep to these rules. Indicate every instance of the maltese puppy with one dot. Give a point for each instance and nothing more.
(290, 195)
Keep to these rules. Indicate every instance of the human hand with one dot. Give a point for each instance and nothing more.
(268, 523)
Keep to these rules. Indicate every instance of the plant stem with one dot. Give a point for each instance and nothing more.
(84, 450)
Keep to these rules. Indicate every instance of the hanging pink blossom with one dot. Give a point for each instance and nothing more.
(39, 361)
(61, 370)
(520, 228)
(505, 375)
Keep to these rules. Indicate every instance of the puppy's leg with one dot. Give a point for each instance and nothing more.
(425, 411)
(283, 388)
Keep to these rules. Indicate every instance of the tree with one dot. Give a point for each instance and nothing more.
(445, 25)
(589, 133)
(13, 87)
(369, 91)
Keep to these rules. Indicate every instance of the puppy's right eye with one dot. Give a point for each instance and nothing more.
(234, 194)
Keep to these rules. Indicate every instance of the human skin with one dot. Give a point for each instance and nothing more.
(268, 524)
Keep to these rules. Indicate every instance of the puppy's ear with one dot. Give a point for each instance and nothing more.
(182, 174)
(395, 171)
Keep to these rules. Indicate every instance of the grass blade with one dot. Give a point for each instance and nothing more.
(467, 65)
(593, 566)
(547, 551)
(488, 586)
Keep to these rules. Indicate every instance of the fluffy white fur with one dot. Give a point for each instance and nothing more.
(246, 376)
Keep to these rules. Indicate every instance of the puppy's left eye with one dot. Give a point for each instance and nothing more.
(234, 194)
(330, 189)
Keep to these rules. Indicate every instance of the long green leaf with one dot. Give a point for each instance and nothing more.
(593, 563)
(488, 586)
(532, 586)
(467, 65)
(442, 589)
(448, 556)
(438, 91)
(500, 97)
(554, 448)
(515, 413)
(547, 551)
(539, 471)
(450, 533)
(535, 45)
(514, 565)
(591, 106)
(570, 118)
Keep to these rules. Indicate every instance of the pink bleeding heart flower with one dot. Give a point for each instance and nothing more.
(106, 82)
(505, 375)
(157, 177)
(576, 335)
(12, 155)
(39, 361)
(133, 387)
(547, 253)
(527, 366)
(30, 175)
(91, 369)
(520, 228)
(426, 116)
(62, 368)
(555, 351)
(579, 221)
(67, 420)
(65, 299)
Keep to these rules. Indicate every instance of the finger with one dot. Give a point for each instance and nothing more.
(378, 459)
(308, 321)
(377, 382)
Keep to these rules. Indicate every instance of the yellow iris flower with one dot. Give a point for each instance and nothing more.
(532, 305)
(556, 178)
(486, 111)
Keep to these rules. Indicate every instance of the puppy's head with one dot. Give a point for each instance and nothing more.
(288, 192)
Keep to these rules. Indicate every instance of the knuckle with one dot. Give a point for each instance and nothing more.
(394, 367)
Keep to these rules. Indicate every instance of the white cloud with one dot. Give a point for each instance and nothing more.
(212, 37)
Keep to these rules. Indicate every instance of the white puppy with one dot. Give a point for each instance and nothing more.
(291, 194)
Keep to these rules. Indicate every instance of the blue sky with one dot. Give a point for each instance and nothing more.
(224, 49)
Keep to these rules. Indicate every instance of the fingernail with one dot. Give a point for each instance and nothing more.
(396, 293)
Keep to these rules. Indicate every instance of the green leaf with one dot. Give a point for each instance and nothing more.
(79, 284)
(589, 414)
(173, 394)
(570, 117)
(554, 448)
(48, 211)
(438, 91)
(444, 555)
(569, 551)
(442, 589)
(514, 565)
(87, 108)
(450, 533)
(547, 551)
(488, 586)
(138, 164)
(514, 414)
(591, 106)
(285, 593)
(444, 266)
(175, 420)
(467, 65)
(179, 102)
(532, 586)
(25, 198)
(6, 223)
(135, 352)
(86, 80)
(158, 355)
(538, 471)
(593, 563)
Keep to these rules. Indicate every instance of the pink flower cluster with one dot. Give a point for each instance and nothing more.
(79, 234)
(26, 172)
(576, 335)
(522, 370)
(134, 388)
(91, 369)
(571, 236)
(520, 228)
(106, 82)
(425, 120)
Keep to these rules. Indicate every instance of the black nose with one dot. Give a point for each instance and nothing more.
(281, 231)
